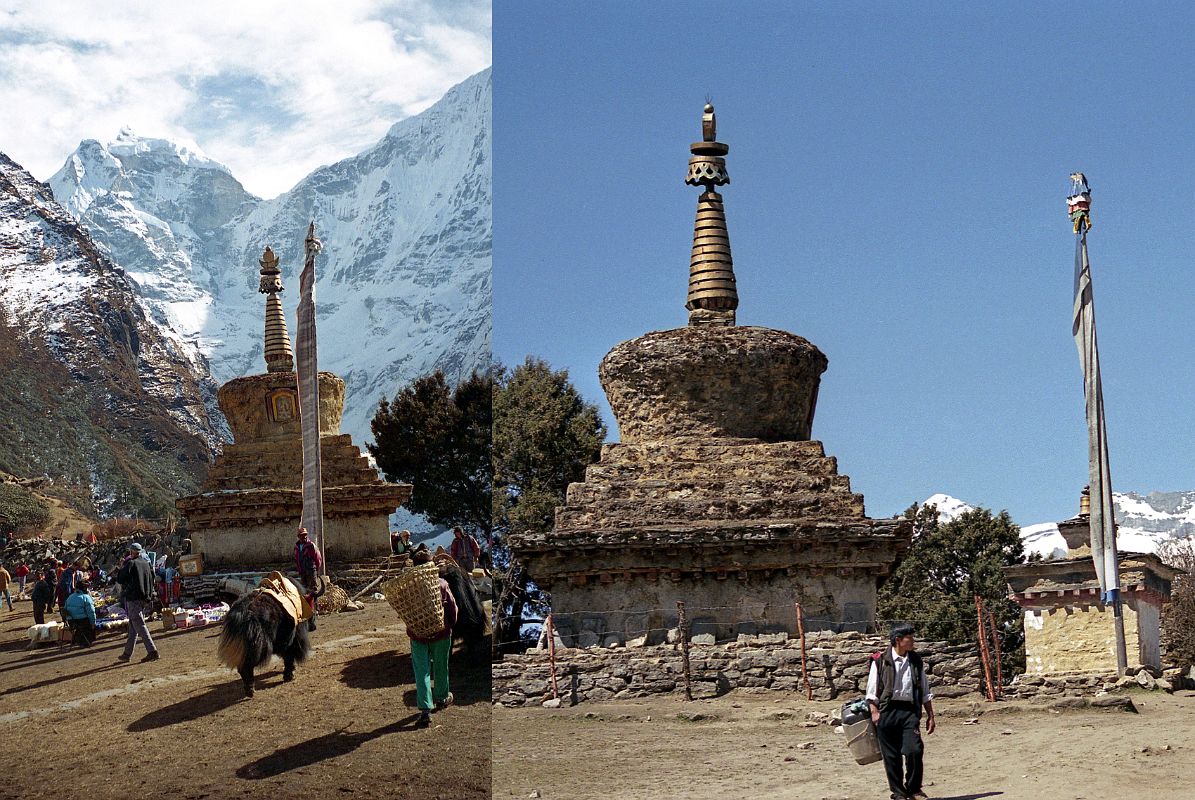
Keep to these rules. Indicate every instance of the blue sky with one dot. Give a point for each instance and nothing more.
(897, 197)
(272, 88)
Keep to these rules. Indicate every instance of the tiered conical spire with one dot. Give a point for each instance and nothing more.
(713, 297)
(279, 356)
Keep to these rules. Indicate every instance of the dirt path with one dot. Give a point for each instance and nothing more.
(79, 721)
(749, 746)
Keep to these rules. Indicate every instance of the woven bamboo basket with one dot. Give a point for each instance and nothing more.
(415, 595)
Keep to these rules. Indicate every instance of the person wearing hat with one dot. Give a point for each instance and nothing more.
(897, 690)
(308, 563)
(136, 581)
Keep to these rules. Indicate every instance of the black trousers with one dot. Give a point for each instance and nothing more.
(899, 734)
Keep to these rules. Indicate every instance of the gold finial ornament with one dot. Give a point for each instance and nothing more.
(279, 356)
(713, 296)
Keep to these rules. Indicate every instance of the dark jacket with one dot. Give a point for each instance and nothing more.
(886, 678)
(136, 579)
(43, 593)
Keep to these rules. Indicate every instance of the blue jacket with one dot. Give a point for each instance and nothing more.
(80, 606)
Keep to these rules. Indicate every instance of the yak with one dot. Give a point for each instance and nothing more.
(256, 628)
(470, 613)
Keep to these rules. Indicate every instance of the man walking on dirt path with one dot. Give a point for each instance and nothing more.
(4, 579)
(136, 579)
(897, 690)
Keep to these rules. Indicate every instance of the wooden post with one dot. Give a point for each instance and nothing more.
(804, 669)
(552, 655)
(996, 643)
(983, 648)
(371, 584)
(683, 630)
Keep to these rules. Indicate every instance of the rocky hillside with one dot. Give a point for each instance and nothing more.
(403, 283)
(92, 395)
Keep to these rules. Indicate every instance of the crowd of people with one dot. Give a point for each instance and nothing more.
(66, 587)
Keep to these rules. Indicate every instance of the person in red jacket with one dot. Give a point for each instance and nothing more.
(21, 573)
(464, 550)
(308, 563)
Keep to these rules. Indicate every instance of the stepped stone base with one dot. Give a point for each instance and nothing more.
(737, 529)
(252, 501)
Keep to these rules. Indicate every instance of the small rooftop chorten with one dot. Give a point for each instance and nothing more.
(716, 496)
(1068, 629)
(248, 509)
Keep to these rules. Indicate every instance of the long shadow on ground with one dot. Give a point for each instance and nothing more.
(191, 708)
(107, 642)
(321, 748)
(469, 678)
(59, 679)
(971, 796)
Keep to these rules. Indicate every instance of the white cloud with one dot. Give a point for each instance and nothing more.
(270, 88)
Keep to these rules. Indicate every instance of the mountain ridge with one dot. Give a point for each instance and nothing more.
(90, 393)
(403, 283)
(1144, 522)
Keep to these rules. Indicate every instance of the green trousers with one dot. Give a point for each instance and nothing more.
(430, 663)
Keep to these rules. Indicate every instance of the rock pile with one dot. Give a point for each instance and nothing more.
(837, 665)
(1084, 684)
(106, 554)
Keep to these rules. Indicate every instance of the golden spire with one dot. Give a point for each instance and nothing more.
(713, 297)
(279, 357)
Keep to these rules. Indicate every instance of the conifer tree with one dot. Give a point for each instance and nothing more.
(439, 440)
(934, 586)
(545, 434)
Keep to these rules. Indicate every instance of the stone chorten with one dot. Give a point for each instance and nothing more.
(250, 505)
(1067, 627)
(716, 495)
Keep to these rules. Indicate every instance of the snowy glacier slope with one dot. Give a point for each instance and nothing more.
(403, 282)
(90, 392)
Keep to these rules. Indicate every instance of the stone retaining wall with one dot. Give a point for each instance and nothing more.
(1081, 684)
(837, 665)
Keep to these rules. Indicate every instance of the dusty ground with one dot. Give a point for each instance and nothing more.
(749, 747)
(78, 723)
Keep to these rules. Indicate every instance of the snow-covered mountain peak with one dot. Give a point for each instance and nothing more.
(1143, 522)
(461, 101)
(128, 144)
(948, 507)
(403, 281)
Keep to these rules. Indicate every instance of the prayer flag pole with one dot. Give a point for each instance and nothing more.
(307, 379)
(1102, 520)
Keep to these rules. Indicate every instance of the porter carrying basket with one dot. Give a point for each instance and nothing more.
(415, 595)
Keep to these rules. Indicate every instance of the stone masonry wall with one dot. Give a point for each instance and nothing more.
(1074, 638)
(837, 665)
(347, 538)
